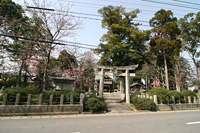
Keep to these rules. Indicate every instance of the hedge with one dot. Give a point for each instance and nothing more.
(143, 103)
(95, 104)
(161, 92)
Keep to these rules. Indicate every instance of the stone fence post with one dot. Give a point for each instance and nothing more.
(189, 99)
(29, 99)
(199, 99)
(72, 99)
(40, 99)
(17, 100)
(179, 100)
(185, 99)
(167, 100)
(5, 96)
(155, 98)
(82, 97)
(151, 97)
(174, 100)
(62, 99)
(51, 99)
(195, 100)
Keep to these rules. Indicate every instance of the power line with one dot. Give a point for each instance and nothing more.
(124, 3)
(44, 41)
(186, 2)
(140, 21)
(152, 1)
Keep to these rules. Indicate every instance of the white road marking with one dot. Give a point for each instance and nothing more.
(192, 123)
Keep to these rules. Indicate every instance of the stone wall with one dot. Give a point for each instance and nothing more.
(169, 107)
(190, 103)
(6, 110)
(36, 105)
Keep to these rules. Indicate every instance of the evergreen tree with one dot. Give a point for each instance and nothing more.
(164, 41)
(124, 43)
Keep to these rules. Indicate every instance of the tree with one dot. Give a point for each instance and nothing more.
(66, 60)
(52, 27)
(165, 40)
(15, 24)
(88, 61)
(190, 33)
(123, 44)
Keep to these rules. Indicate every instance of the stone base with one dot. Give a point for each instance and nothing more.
(169, 107)
(40, 109)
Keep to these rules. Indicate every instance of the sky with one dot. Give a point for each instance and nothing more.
(91, 30)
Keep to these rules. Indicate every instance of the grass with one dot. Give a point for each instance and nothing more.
(133, 106)
(198, 94)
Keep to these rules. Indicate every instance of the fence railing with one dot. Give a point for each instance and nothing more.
(42, 99)
(173, 99)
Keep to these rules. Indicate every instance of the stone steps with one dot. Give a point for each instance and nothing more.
(115, 104)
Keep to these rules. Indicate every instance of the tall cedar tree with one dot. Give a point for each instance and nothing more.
(123, 44)
(165, 40)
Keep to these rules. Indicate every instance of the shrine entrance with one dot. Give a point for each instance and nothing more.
(116, 71)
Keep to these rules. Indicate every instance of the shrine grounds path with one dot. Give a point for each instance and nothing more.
(154, 122)
(115, 104)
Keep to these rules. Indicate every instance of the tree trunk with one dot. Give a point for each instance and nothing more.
(197, 74)
(166, 72)
(20, 74)
(177, 79)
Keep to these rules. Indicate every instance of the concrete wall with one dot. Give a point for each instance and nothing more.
(169, 107)
(40, 109)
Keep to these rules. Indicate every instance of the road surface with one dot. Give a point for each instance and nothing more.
(157, 122)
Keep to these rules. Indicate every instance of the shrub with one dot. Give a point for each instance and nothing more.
(93, 94)
(145, 104)
(161, 92)
(31, 90)
(134, 99)
(8, 83)
(47, 93)
(175, 93)
(95, 104)
(136, 93)
(188, 93)
(196, 91)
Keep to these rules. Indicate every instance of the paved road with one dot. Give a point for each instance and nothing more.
(168, 122)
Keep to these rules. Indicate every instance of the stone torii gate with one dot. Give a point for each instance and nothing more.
(115, 72)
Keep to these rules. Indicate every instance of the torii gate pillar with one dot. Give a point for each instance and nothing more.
(127, 87)
(101, 84)
(116, 68)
